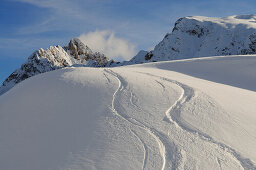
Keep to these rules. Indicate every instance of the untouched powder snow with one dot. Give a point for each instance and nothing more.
(188, 114)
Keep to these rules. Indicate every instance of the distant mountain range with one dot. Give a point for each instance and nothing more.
(191, 37)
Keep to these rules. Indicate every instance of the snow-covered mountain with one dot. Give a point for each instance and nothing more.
(184, 114)
(199, 36)
(55, 57)
(191, 37)
(195, 113)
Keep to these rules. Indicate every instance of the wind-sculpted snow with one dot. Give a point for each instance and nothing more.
(134, 117)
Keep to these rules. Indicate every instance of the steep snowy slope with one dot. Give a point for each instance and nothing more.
(150, 116)
(199, 36)
(55, 57)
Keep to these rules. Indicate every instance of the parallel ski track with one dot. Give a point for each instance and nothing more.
(145, 148)
(186, 96)
(154, 133)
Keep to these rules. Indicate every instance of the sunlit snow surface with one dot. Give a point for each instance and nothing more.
(190, 114)
(199, 36)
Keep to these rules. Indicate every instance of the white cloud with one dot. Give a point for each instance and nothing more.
(106, 42)
(77, 16)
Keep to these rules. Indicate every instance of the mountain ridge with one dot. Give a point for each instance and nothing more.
(198, 36)
(191, 37)
(53, 58)
(145, 116)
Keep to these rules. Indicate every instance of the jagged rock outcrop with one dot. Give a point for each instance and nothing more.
(82, 53)
(139, 57)
(204, 36)
(55, 57)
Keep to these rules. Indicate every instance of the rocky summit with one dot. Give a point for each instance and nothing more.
(55, 57)
(199, 36)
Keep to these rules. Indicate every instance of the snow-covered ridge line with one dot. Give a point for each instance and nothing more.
(116, 118)
(191, 37)
(199, 36)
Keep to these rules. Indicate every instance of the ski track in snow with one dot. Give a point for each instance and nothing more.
(106, 77)
(149, 123)
(172, 115)
(131, 100)
(187, 94)
(145, 148)
(153, 132)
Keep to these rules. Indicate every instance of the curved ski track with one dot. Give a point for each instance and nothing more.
(145, 148)
(152, 132)
(187, 94)
(172, 115)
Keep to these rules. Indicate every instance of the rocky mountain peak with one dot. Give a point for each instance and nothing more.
(191, 37)
(55, 57)
(76, 48)
(81, 52)
(198, 36)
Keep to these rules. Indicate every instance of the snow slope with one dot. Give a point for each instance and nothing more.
(167, 115)
(199, 36)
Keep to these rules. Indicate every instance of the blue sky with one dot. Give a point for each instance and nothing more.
(27, 25)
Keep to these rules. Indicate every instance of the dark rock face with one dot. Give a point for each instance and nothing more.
(198, 31)
(176, 24)
(77, 48)
(252, 44)
(148, 56)
(81, 52)
(193, 29)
